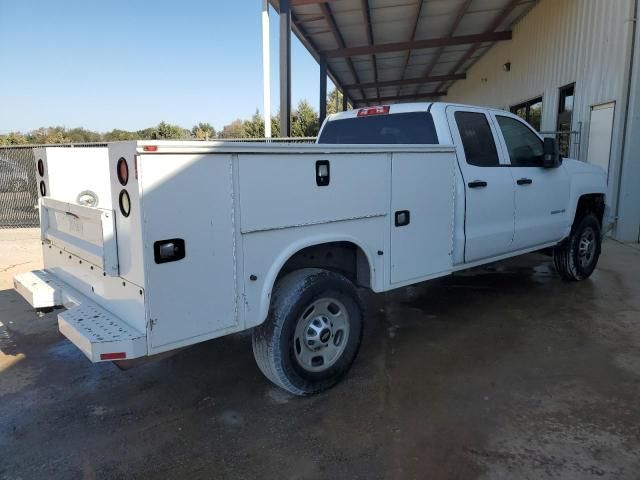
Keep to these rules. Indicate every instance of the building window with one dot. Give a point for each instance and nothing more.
(565, 118)
(530, 111)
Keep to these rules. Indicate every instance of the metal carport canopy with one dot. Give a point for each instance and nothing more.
(388, 51)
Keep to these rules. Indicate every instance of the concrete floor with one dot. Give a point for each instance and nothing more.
(500, 373)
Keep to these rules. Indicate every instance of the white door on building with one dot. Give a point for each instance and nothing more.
(600, 133)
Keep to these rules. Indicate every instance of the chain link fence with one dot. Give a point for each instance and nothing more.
(18, 185)
(18, 190)
(18, 182)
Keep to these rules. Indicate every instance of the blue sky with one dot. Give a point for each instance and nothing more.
(107, 64)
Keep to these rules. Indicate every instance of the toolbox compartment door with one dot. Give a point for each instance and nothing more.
(87, 232)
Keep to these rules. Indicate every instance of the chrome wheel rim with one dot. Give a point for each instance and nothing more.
(587, 247)
(321, 335)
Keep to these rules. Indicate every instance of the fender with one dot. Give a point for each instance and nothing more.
(585, 179)
(294, 247)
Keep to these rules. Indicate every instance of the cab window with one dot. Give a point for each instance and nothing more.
(525, 147)
(477, 139)
(397, 128)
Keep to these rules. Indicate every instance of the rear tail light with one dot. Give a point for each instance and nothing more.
(125, 203)
(380, 110)
(40, 167)
(150, 148)
(43, 188)
(113, 356)
(123, 171)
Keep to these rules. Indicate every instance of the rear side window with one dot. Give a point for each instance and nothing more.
(410, 127)
(477, 139)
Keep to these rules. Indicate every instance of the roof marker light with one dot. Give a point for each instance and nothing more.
(379, 110)
(150, 148)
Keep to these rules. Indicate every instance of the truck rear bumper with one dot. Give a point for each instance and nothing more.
(99, 334)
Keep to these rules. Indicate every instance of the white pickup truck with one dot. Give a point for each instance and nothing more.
(155, 245)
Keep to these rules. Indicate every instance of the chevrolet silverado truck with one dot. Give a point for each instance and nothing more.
(151, 246)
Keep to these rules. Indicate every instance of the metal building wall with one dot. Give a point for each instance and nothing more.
(558, 43)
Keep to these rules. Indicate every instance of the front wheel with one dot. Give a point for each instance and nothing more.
(577, 256)
(313, 331)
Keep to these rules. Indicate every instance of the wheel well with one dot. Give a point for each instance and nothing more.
(591, 203)
(346, 258)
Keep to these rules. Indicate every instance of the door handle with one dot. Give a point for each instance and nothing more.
(477, 184)
(524, 181)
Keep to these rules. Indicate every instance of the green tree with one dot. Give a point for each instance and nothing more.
(167, 131)
(203, 131)
(304, 121)
(116, 135)
(82, 135)
(48, 135)
(233, 130)
(254, 127)
(334, 102)
(13, 138)
(275, 125)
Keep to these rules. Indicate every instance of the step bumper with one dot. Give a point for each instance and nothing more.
(99, 334)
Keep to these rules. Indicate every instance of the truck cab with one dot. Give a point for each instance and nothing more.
(507, 198)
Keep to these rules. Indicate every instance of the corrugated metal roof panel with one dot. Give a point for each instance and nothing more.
(400, 21)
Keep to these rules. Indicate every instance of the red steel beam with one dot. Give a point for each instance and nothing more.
(418, 44)
(407, 81)
(402, 97)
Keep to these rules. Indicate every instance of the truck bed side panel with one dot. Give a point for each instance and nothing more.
(279, 191)
(424, 185)
(189, 197)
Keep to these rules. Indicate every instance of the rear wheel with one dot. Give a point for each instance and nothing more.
(576, 258)
(312, 334)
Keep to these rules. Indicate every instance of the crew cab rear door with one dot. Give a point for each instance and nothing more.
(489, 198)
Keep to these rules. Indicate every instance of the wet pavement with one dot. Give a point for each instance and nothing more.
(503, 372)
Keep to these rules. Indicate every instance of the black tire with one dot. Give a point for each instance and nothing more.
(276, 350)
(570, 259)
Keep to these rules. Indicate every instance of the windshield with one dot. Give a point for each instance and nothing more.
(410, 127)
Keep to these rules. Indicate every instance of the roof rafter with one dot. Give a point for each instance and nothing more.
(305, 39)
(504, 13)
(412, 37)
(452, 30)
(298, 3)
(407, 81)
(326, 11)
(364, 4)
(418, 44)
(402, 97)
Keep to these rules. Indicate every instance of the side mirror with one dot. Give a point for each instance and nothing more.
(551, 157)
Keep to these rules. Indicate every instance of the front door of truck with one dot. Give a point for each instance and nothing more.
(489, 201)
(541, 194)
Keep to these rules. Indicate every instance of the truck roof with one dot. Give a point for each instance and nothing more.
(407, 107)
